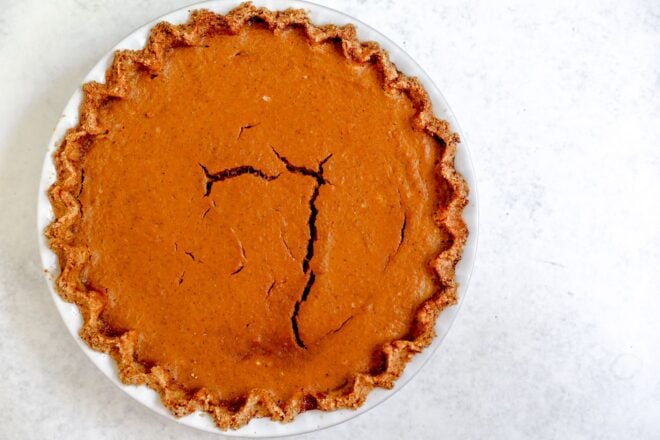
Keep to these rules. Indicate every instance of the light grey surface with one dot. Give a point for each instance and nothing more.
(558, 337)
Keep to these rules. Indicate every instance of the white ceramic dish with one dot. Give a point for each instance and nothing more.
(311, 420)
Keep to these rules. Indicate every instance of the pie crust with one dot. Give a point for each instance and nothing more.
(74, 259)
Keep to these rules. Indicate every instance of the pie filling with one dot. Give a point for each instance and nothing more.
(252, 214)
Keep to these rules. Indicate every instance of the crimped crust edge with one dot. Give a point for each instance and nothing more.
(73, 258)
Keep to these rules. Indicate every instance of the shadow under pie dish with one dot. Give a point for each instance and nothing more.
(257, 216)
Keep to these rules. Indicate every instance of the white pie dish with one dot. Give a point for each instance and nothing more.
(311, 420)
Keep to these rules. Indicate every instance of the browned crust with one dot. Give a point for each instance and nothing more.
(74, 258)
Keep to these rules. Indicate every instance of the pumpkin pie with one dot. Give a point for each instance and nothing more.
(257, 216)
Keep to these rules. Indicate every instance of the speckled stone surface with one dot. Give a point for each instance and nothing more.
(558, 335)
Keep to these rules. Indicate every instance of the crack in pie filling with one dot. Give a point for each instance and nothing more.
(257, 216)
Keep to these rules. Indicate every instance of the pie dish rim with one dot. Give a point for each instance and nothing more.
(70, 119)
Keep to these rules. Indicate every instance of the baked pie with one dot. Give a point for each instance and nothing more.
(257, 216)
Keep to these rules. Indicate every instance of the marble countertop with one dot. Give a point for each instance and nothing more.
(558, 337)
